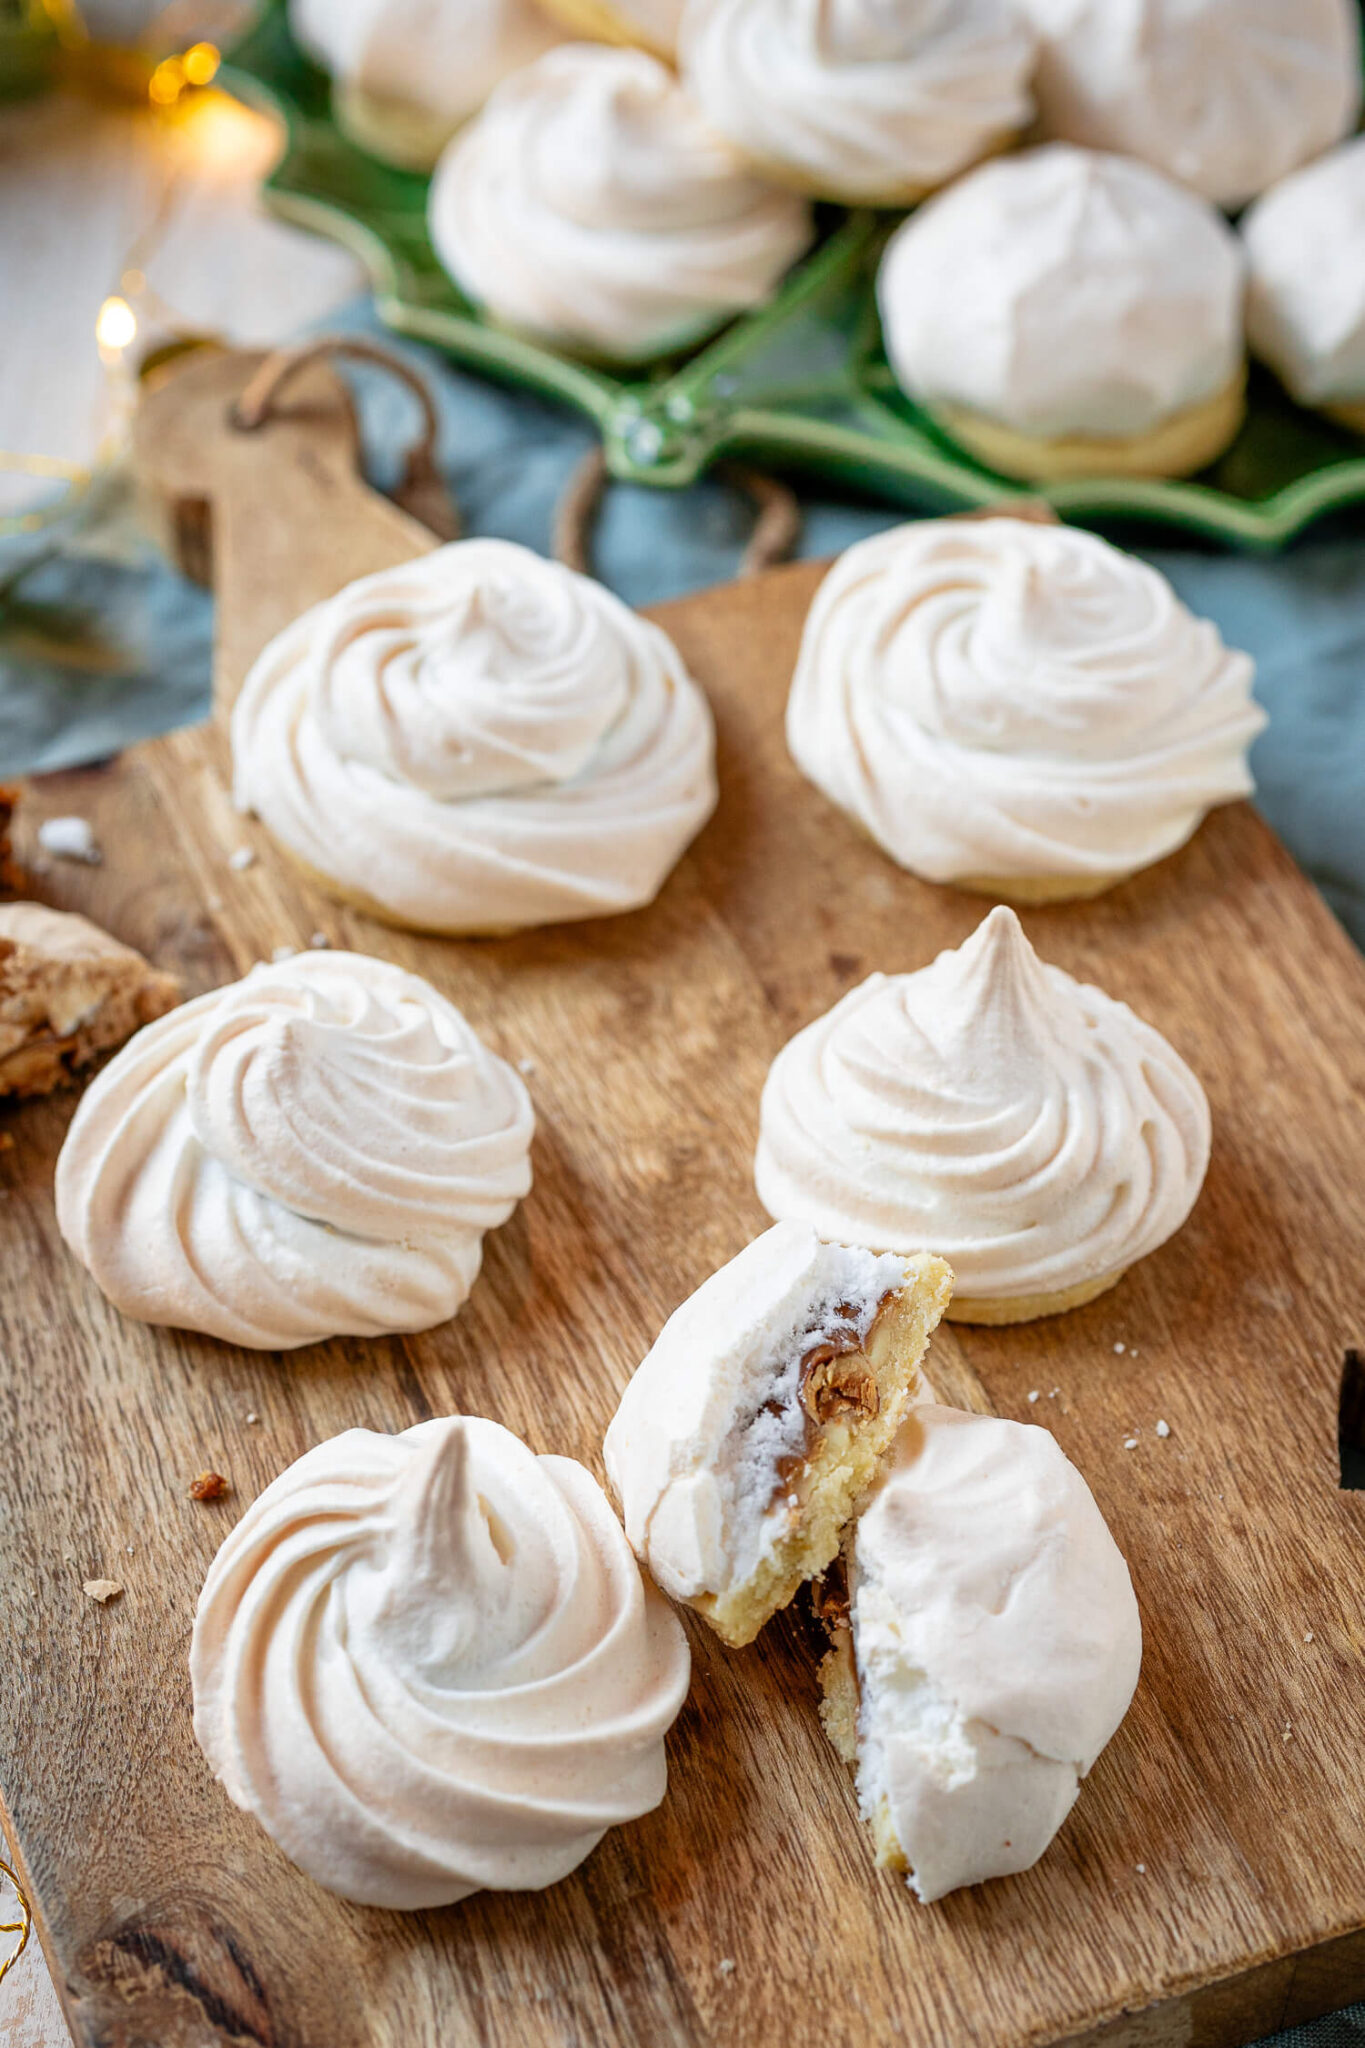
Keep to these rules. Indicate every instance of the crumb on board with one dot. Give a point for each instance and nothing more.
(1308, 1635)
(1033, 1394)
(103, 1590)
(320, 942)
(1119, 1350)
(209, 1486)
(726, 1966)
(1141, 1869)
(527, 1067)
(1163, 1428)
(70, 839)
(1130, 1443)
(242, 857)
(252, 1416)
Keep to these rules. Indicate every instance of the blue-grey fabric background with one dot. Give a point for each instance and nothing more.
(101, 644)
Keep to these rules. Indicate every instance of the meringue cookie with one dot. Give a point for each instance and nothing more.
(1017, 707)
(1028, 1128)
(477, 741)
(868, 101)
(591, 205)
(762, 1414)
(651, 23)
(1305, 245)
(1063, 313)
(428, 1664)
(1225, 95)
(314, 1151)
(408, 73)
(992, 1648)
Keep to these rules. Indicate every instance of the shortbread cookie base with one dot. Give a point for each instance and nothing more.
(398, 133)
(356, 899)
(839, 1706)
(845, 1457)
(1030, 1308)
(602, 24)
(1348, 412)
(1039, 888)
(1187, 442)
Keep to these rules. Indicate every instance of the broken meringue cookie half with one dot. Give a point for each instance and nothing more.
(763, 1415)
(985, 1647)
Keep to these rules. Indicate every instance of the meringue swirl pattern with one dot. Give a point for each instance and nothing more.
(868, 101)
(1029, 1129)
(314, 1151)
(591, 205)
(1225, 95)
(1019, 703)
(428, 1664)
(477, 741)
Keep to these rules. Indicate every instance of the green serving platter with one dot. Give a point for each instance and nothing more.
(801, 385)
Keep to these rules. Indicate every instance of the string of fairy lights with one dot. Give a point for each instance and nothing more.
(169, 73)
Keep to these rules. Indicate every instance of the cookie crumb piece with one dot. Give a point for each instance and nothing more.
(726, 1966)
(1119, 1350)
(103, 1590)
(320, 942)
(242, 857)
(526, 1067)
(1163, 1429)
(1033, 1394)
(1141, 1869)
(1130, 1443)
(70, 839)
(209, 1486)
(1308, 1635)
(252, 1416)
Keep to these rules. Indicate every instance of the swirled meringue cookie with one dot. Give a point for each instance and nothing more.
(1017, 708)
(990, 1648)
(1225, 95)
(591, 205)
(1028, 1128)
(763, 1413)
(477, 741)
(1305, 244)
(407, 73)
(652, 24)
(1063, 313)
(428, 1664)
(869, 101)
(314, 1151)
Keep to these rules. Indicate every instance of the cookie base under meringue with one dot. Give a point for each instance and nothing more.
(845, 1457)
(356, 899)
(1030, 1308)
(601, 23)
(395, 131)
(1040, 888)
(1186, 442)
(1347, 412)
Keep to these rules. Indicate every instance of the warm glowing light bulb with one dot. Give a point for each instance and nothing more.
(200, 62)
(166, 82)
(116, 324)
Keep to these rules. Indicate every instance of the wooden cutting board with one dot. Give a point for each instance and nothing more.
(1210, 1884)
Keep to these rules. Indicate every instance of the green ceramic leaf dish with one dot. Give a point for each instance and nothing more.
(803, 384)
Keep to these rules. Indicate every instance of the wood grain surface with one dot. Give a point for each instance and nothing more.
(1210, 1884)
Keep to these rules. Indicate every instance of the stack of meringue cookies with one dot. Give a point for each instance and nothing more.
(1068, 299)
(431, 1662)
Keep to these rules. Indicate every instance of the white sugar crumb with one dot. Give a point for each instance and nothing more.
(283, 953)
(70, 839)
(1163, 1429)
(103, 1590)
(252, 1416)
(1055, 1392)
(1130, 1443)
(526, 1067)
(1308, 1635)
(1141, 1869)
(320, 942)
(726, 1966)
(1288, 1735)
(1119, 1350)
(1033, 1394)
(242, 857)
